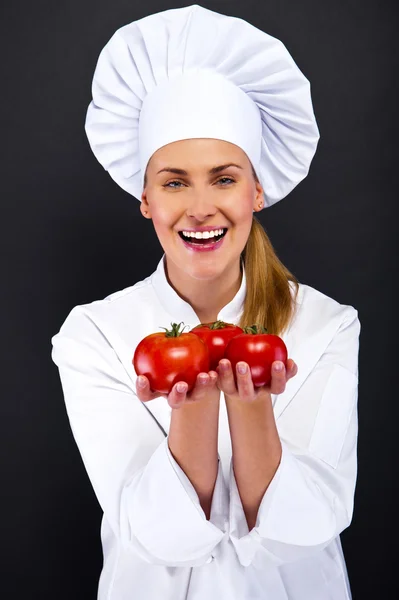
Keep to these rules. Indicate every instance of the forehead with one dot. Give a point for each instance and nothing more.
(198, 153)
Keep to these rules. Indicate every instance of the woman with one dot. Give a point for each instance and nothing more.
(227, 491)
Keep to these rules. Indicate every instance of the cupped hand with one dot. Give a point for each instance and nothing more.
(245, 389)
(205, 387)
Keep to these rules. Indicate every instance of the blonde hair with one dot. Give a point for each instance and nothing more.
(268, 300)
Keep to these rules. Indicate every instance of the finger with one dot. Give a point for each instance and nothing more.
(244, 382)
(143, 389)
(292, 368)
(177, 395)
(213, 376)
(201, 387)
(279, 379)
(226, 382)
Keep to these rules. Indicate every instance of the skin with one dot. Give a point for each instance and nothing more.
(227, 198)
(206, 280)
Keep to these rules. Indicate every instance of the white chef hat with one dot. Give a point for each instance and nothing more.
(194, 73)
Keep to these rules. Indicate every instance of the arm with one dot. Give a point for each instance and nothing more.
(256, 450)
(309, 493)
(150, 504)
(193, 442)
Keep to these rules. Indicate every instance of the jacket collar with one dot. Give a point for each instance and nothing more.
(180, 310)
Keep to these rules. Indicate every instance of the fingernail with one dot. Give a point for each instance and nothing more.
(242, 369)
(141, 381)
(181, 387)
(279, 366)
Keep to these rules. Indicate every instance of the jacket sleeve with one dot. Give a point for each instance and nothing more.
(147, 498)
(311, 496)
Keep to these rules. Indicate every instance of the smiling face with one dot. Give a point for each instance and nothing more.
(199, 195)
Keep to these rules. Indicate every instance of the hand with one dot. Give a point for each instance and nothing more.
(205, 387)
(245, 389)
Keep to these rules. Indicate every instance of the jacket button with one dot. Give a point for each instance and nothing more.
(210, 559)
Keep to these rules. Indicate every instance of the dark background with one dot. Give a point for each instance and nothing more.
(70, 235)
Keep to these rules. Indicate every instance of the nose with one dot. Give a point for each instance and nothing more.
(200, 207)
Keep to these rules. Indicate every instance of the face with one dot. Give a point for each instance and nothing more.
(224, 198)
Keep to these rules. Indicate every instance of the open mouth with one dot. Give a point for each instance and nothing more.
(203, 241)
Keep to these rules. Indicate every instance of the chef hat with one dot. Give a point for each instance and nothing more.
(194, 73)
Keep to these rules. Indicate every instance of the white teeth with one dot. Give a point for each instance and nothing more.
(202, 234)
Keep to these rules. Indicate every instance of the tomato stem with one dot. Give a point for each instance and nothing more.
(214, 325)
(255, 329)
(175, 331)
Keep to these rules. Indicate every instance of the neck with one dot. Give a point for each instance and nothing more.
(206, 297)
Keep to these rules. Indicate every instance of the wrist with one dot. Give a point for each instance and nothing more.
(264, 398)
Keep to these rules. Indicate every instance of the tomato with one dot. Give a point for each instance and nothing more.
(216, 336)
(259, 350)
(166, 358)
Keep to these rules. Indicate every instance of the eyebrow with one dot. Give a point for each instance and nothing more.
(211, 171)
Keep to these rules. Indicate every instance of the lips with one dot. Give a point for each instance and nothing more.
(203, 241)
(203, 245)
(205, 228)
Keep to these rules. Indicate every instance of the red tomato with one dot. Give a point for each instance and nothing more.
(216, 336)
(166, 358)
(259, 350)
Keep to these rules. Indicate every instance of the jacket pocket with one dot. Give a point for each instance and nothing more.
(334, 414)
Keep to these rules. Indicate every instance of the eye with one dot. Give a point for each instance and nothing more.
(228, 178)
(168, 184)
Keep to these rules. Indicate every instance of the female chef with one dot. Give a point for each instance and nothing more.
(229, 491)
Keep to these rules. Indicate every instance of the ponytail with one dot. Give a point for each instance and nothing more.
(271, 288)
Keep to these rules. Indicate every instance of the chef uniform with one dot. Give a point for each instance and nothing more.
(157, 543)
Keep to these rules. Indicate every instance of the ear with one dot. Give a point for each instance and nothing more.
(144, 206)
(259, 198)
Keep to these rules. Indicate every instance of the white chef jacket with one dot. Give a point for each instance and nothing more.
(157, 543)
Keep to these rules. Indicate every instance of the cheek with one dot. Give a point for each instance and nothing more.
(163, 219)
(162, 214)
(243, 206)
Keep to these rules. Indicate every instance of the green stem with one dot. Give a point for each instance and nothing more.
(255, 329)
(175, 331)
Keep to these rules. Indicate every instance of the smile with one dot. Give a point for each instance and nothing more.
(202, 244)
